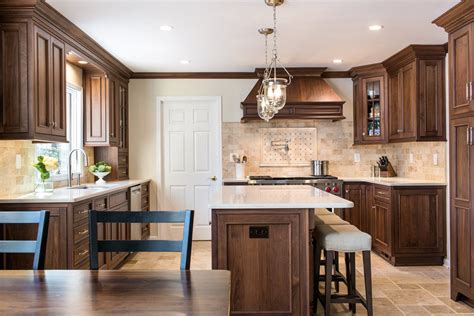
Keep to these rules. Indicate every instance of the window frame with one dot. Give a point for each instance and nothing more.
(77, 105)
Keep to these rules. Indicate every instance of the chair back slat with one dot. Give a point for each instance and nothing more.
(184, 246)
(20, 217)
(139, 246)
(17, 246)
(141, 217)
(36, 247)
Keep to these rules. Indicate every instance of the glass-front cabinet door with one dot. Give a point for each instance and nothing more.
(373, 108)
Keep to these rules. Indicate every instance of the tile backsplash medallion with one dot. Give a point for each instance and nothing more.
(334, 143)
(16, 181)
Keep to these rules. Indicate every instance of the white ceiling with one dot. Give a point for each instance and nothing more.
(222, 35)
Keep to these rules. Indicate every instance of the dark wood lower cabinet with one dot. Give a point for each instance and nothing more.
(269, 254)
(407, 224)
(68, 235)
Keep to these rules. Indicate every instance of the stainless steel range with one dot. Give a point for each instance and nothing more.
(329, 184)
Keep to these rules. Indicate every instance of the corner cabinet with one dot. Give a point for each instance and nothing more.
(407, 224)
(33, 102)
(370, 100)
(416, 78)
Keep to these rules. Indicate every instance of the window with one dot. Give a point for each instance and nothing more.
(74, 136)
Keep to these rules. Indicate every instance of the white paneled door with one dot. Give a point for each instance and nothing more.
(191, 158)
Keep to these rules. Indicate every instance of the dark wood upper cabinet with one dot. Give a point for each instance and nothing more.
(14, 93)
(370, 99)
(104, 100)
(461, 60)
(416, 104)
(34, 83)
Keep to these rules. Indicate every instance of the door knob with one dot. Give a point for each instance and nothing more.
(214, 178)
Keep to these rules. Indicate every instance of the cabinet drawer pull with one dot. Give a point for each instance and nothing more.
(380, 193)
(468, 97)
(85, 231)
(468, 136)
(400, 130)
(101, 205)
(84, 212)
(470, 90)
(83, 253)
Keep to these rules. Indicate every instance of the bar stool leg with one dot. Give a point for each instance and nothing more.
(327, 289)
(368, 282)
(353, 280)
(336, 269)
(316, 274)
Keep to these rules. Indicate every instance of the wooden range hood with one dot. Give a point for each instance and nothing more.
(309, 97)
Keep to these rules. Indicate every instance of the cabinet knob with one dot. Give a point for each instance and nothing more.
(399, 130)
(347, 191)
(363, 134)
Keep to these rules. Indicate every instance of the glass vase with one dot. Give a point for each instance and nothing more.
(45, 186)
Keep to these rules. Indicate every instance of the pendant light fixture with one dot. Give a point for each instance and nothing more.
(274, 88)
(265, 112)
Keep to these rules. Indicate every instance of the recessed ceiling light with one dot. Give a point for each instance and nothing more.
(83, 62)
(166, 28)
(184, 62)
(375, 27)
(337, 61)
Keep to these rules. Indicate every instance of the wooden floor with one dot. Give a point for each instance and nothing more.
(396, 290)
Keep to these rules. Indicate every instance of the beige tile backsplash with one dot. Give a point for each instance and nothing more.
(16, 181)
(334, 143)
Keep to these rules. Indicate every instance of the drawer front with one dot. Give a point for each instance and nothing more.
(118, 198)
(382, 193)
(101, 204)
(123, 159)
(145, 202)
(81, 212)
(145, 188)
(81, 233)
(81, 252)
(122, 172)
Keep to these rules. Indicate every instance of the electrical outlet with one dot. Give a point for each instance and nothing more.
(232, 155)
(410, 158)
(356, 157)
(435, 159)
(18, 161)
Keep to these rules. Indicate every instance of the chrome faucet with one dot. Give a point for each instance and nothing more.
(69, 168)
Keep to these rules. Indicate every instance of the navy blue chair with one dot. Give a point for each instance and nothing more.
(36, 247)
(183, 246)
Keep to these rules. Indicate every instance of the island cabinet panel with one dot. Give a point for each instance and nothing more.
(381, 231)
(269, 255)
(56, 249)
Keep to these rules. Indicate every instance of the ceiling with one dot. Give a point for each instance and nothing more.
(222, 35)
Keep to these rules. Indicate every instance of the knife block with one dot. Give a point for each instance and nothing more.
(389, 173)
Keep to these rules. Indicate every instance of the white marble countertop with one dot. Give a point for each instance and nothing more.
(65, 195)
(274, 197)
(395, 181)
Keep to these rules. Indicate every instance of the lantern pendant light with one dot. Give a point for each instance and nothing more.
(274, 88)
(265, 112)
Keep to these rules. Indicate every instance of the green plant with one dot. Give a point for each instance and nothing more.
(45, 165)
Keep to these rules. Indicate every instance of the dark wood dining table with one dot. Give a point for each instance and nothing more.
(84, 292)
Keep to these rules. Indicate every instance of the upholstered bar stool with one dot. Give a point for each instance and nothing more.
(331, 219)
(347, 239)
(322, 211)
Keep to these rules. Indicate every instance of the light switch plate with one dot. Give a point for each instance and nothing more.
(356, 157)
(232, 155)
(18, 161)
(435, 159)
(410, 157)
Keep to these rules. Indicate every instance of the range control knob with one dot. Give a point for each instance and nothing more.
(328, 189)
(335, 189)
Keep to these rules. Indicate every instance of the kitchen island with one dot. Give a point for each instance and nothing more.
(263, 235)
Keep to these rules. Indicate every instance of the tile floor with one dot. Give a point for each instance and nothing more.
(396, 290)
